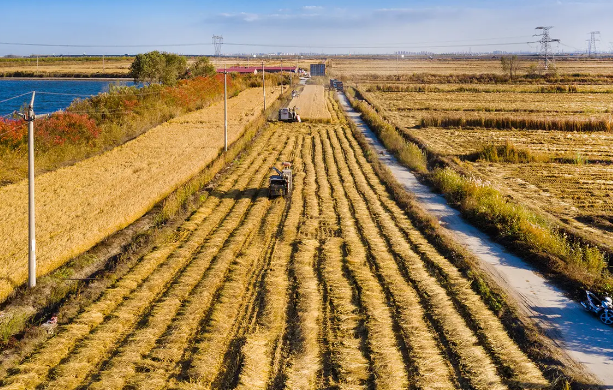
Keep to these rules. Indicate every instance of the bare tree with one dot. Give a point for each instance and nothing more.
(510, 64)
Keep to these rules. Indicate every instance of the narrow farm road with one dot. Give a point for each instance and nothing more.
(584, 338)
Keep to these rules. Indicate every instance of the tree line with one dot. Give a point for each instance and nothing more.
(167, 68)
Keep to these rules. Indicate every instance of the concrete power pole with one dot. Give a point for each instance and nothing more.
(546, 51)
(225, 108)
(263, 86)
(591, 48)
(30, 117)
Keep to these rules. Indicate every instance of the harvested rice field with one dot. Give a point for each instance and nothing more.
(80, 205)
(590, 147)
(311, 104)
(580, 195)
(365, 68)
(571, 177)
(330, 287)
(581, 105)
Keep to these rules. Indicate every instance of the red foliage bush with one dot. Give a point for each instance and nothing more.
(13, 132)
(58, 129)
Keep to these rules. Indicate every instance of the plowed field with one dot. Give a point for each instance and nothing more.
(331, 287)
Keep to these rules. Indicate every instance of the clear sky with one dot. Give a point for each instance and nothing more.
(342, 26)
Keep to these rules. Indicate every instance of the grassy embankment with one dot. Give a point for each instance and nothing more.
(91, 126)
(569, 259)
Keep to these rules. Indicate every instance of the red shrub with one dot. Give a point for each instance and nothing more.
(64, 128)
(13, 132)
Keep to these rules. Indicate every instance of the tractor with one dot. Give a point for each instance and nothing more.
(289, 115)
(281, 183)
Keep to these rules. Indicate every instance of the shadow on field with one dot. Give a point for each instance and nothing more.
(250, 193)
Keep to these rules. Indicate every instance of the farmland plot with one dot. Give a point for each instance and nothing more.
(587, 105)
(80, 205)
(592, 146)
(331, 287)
(572, 179)
(580, 195)
(311, 104)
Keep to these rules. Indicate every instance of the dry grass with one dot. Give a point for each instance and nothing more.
(311, 104)
(80, 205)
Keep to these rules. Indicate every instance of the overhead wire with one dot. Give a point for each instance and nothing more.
(16, 97)
(303, 45)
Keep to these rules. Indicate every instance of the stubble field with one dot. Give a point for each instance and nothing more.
(570, 177)
(331, 287)
(308, 104)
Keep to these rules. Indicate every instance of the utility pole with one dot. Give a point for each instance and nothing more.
(281, 75)
(225, 108)
(103, 65)
(546, 51)
(591, 49)
(36, 64)
(263, 85)
(30, 117)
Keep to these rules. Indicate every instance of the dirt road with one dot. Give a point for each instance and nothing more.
(584, 338)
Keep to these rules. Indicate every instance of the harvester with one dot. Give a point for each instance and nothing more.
(289, 115)
(281, 183)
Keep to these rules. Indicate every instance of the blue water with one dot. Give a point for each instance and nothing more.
(45, 103)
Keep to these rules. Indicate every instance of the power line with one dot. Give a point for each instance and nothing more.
(15, 97)
(218, 41)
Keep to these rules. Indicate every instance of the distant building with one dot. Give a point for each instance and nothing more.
(256, 69)
(318, 70)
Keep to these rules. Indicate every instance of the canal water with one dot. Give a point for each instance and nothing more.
(51, 95)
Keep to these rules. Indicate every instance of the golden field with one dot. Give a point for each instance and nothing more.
(363, 67)
(51, 68)
(571, 177)
(331, 287)
(80, 205)
(311, 104)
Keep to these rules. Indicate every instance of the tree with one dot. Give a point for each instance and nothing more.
(202, 67)
(510, 65)
(156, 67)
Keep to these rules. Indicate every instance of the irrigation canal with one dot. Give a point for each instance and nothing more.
(61, 92)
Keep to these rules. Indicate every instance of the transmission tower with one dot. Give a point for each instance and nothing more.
(591, 48)
(546, 52)
(217, 42)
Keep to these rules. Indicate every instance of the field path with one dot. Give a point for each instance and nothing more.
(584, 338)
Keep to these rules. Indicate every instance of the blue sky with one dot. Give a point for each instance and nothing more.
(358, 26)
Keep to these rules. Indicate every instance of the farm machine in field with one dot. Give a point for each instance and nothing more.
(289, 115)
(281, 183)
